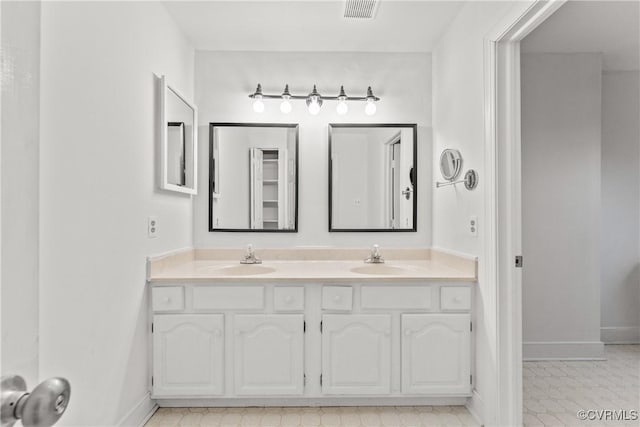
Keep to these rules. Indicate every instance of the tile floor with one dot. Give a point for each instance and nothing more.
(553, 394)
(555, 391)
(408, 416)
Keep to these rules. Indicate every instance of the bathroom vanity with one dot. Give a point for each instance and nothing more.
(311, 327)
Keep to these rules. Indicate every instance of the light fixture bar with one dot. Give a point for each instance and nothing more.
(324, 97)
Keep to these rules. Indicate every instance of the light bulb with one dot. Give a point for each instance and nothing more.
(314, 105)
(285, 106)
(370, 109)
(342, 107)
(258, 105)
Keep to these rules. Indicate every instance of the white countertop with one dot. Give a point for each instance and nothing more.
(191, 267)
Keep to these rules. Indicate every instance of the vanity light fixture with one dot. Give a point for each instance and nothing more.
(314, 100)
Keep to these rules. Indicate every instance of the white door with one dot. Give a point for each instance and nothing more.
(356, 354)
(188, 354)
(436, 354)
(269, 354)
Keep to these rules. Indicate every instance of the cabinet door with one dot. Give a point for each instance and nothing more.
(356, 354)
(436, 354)
(188, 354)
(269, 354)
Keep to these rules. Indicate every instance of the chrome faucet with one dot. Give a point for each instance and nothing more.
(250, 256)
(375, 257)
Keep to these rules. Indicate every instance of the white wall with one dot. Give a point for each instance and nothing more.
(620, 292)
(458, 122)
(20, 152)
(403, 81)
(98, 185)
(561, 204)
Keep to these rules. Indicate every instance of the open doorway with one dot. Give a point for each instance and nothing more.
(566, 215)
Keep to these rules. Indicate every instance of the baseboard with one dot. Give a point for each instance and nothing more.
(309, 401)
(475, 406)
(620, 334)
(559, 350)
(140, 413)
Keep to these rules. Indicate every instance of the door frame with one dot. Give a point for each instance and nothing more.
(503, 197)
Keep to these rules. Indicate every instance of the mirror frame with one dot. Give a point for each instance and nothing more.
(412, 126)
(212, 176)
(163, 132)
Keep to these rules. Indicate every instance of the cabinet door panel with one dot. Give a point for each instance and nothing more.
(269, 354)
(188, 355)
(436, 354)
(356, 354)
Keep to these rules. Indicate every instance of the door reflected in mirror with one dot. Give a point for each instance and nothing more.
(372, 177)
(253, 174)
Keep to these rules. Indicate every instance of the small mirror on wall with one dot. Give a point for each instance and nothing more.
(178, 141)
(372, 177)
(253, 177)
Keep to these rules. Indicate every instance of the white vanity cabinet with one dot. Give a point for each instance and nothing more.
(299, 342)
(436, 353)
(188, 354)
(356, 354)
(269, 354)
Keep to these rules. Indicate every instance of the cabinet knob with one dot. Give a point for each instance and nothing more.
(288, 299)
(407, 332)
(166, 299)
(457, 299)
(217, 332)
(337, 298)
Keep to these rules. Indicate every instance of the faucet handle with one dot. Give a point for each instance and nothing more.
(375, 250)
(250, 249)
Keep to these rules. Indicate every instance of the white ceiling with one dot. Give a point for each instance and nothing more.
(609, 27)
(399, 26)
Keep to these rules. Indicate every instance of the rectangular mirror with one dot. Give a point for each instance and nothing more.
(178, 136)
(253, 177)
(372, 177)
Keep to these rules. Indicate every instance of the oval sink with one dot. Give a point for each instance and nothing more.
(244, 270)
(381, 269)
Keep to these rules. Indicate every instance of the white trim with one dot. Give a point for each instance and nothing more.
(475, 406)
(140, 413)
(309, 401)
(502, 208)
(563, 350)
(620, 334)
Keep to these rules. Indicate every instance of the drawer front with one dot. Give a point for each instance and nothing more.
(228, 297)
(337, 297)
(167, 298)
(288, 298)
(398, 297)
(455, 298)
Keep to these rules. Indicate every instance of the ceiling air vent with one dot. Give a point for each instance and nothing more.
(361, 9)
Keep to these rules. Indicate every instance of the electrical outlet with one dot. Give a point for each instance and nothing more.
(473, 226)
(152, 226)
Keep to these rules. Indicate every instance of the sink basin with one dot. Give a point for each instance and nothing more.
(381, 269)
(243, 270)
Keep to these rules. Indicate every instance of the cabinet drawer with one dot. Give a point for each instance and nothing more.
(455, 298)
(399, 297)
(288, 298)
(228, 297)
(337, 297)
(167, 299)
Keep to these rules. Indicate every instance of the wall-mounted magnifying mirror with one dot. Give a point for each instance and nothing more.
(450, 164)
(372, 177)
(253, 177)
(178, 138)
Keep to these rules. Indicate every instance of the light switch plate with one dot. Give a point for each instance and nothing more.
(152, 226)
(473, 225)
